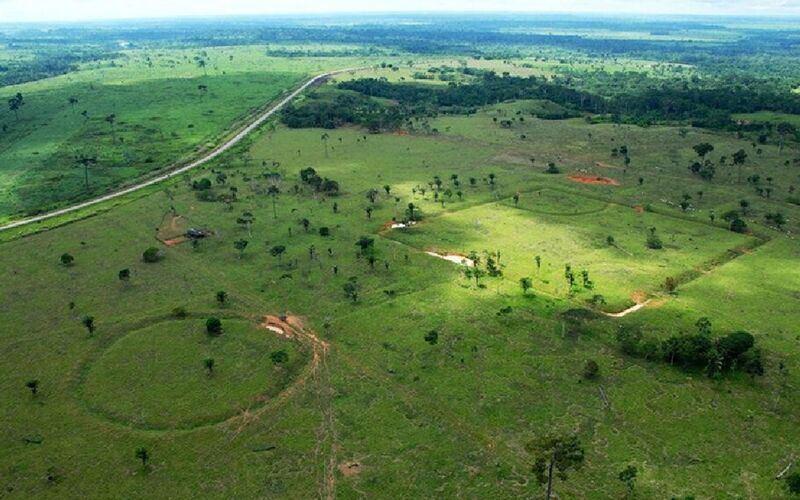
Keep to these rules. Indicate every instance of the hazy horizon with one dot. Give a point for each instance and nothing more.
(50, 11)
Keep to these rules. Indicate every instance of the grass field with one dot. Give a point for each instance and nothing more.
(165, 108)
(365, 406)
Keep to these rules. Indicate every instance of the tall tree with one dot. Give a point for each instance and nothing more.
(324, 137)
(555, 455)
(86, 160)
(15, 103)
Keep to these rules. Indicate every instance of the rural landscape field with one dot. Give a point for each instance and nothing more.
(400, 256)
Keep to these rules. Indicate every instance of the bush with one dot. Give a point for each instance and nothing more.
(213, 326)
(151, 255)
(279, 357)
(67, 259)
(180, 312)
(203, 184)
(591, 370)
(432, 337)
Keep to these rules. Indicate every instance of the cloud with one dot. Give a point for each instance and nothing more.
(76, 10)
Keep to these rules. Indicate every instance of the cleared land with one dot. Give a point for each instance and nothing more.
(362, 385)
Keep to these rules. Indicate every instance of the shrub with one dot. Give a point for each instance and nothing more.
(432, 337)
(151, 255)
(180, 312)
(213, 326)
(591, 370)
(279, 357)
(67, 259)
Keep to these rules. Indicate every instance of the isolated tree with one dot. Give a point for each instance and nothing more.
(124, 275)
(538, 260)
(72, 102)
(143, 455)
(591, 370)
(555, 455)
(324, 137)
(213, 326)
(201, 63)
(739, 158)
(86, 160)
(246, 220)
(432, 337)
(209, 365)
(279, 357)
(221, 296)
(273, 191)
(387, 188)
(351, 288)
(526, 284)
(111, 119)
(15, 103)
(151, 255)
(240, 245)
(369, 212)
(744, 205)
(410, 211)
(516, 199)
(628, 477)
(33, 385)
(88, 323)
(372, 195)
(703, 149)
(67, 259)
(305, 223)
(365, 245)
(653, 240)
(277, 251)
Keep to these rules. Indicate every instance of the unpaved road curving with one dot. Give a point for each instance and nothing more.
(260, 119)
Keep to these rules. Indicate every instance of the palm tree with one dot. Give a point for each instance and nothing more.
(88, 322)
(201, 63)
(324, 137)
(273, 191)
(33, 385)
(143, 455)
(111, 119)
(15, 103)
(526, 284)
(86, 160)
(240, 245)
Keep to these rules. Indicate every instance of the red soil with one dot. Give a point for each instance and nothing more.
(585, 179)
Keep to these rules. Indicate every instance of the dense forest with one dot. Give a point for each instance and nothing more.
(709, 107)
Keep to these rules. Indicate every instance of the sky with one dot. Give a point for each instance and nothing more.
(79, 10)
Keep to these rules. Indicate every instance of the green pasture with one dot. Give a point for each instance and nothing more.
(385, 413)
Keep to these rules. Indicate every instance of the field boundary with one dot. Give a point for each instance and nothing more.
(171, 173)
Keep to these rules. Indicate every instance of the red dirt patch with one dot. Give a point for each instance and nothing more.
(639, 209)
(586, 179)
(400, 132)
(175, 241)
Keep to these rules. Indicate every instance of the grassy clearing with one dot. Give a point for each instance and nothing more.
(620, 271)
(156, 378)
